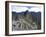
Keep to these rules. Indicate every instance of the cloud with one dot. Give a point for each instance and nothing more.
(22, 9)
(19, 9)
(34, 9)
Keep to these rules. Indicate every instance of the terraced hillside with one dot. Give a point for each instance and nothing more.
(24, 21)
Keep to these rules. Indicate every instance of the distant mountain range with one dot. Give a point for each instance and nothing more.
(34, 14)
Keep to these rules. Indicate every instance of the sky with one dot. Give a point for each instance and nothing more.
(24, 8)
